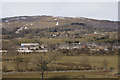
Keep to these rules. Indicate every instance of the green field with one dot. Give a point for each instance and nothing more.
(93, 60)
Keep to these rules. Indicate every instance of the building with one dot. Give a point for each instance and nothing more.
(70, 46)
(24, 49)
(90, 46)
(31, 47)
(3, 51)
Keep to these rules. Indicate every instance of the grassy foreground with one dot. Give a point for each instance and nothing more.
(93, 60)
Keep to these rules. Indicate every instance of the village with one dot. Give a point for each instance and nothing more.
(76, 45)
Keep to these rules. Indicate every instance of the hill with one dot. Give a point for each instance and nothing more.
(44, 26)
(50, 21)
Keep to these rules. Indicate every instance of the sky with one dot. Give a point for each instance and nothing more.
(59, 0)
(96, 10)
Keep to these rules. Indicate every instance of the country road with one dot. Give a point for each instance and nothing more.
(52, 71)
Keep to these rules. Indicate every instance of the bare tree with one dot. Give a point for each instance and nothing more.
(18, 60)
(105, 64)
(43, 60)
(8, 45)
(84, 61)
(4, 68)
(26, 62)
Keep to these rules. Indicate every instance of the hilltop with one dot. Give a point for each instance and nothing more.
(33, 22)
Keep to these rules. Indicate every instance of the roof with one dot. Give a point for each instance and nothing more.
(29, 44)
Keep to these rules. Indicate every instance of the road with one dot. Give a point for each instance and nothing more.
(51, 71)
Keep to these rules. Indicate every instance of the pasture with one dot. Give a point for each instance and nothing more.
(66, 61)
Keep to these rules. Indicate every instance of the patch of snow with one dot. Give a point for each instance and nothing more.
(17, 18)
(23, 18)
(79, 43)
(16, 31)
(19, 38)
(54, 35)
(6, 21)
(57, 24)
(95, 33)
(20, 29)
(61, 17)
(25, 27)
(55, 19)
(106, 49)
(102, 34)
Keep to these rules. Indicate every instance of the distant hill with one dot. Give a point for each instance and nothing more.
(37, 24)
(50, 21)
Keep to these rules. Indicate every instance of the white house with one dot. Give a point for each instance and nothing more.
(96, 32)
(29, 44)
(24, 49)
(31, 47)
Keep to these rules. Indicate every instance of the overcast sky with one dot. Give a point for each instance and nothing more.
(97, 10)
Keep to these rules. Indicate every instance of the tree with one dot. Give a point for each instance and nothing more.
(43, 60)
(18, 60)
(8, 45)
(26, 62)
(105, 64)
(85, 62)
(4, 68)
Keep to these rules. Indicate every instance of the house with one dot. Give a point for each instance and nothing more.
(94, 49)
(82, 45)
(97, 47)
(70, 46)
(31, 47)
(29, 44)
(96, 32)
(24, 49)
(3, 51)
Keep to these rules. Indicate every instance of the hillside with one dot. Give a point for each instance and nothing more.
(33, 22)
(62, 28)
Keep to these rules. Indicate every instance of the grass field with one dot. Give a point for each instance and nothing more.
(93, 60)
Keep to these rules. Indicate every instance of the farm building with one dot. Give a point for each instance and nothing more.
(70, 46)
(31, 47)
